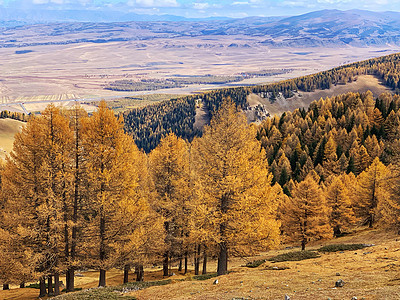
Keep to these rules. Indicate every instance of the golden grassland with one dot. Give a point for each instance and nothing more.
(82, 70)
(369, 273)
(8, 128)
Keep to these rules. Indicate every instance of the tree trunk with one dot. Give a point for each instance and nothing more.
(22, 285)
(56, 284)
(50, 291)
(186, 262)
(165, 263)
(102, 278)
(126, 273)
(6, 286)
(180, 264)
(371, 221)
(166, 254)
(222, 268)
(42, 287)
(303, 245)
(139, 273)
(337, 231)
(70, 279)
(197, 260)
(204, 262)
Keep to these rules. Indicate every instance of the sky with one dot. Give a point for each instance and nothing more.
(208, 8)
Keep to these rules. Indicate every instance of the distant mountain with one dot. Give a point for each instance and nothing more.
(327, 28)
(333, 27)
(29, 16)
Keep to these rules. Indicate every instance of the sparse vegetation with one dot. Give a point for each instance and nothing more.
(294, 256)
(255, 263)
(342, 247)
(205, 276)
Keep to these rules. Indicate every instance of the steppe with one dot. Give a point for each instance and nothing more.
(81, 70)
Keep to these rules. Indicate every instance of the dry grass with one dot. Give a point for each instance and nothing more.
(363, 84)
(372, 273)
(8, 128)
(82, 70)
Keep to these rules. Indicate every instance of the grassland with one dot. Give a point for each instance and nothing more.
(8, 128)
(371, 273)
(82, 70)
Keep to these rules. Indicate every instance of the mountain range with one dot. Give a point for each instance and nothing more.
(320, 28)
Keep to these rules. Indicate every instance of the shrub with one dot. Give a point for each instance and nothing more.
(256, 263)
(205, 276)
(342, 247)
(294, 256)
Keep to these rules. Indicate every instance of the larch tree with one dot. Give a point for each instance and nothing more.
(169, 169)
(342, 215)
(236, 191)
(112, 181)
(371, 191)
(305, 217)
(36, 180)
(76, 209)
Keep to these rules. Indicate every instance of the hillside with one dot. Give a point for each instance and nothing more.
(370, 273)
(8, 128)
(273, 97)
(303, 99)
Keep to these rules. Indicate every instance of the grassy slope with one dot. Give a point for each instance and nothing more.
(363, 84)
(8, 128)
(370, 273)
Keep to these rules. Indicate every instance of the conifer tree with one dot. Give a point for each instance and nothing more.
(342, 215)
(234, 180)
(169, 168)
(371, 191)
(112, 182)
(305, 217)
(36, 181)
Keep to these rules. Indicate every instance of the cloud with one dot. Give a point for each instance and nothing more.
(156, 3)
(240, 3)
(200, 6)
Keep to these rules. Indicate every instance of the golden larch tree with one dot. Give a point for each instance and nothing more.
(305, 217)
(169, 169)
(240, 203)
(342, 215)
(112, 188)
(372, 190)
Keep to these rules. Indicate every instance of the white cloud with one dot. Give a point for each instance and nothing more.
(200, 6)
(156, 3)
(240, 3)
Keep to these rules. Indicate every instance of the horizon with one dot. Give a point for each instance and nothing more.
(202, 9)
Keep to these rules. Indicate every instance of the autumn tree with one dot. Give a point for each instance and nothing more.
(305, 217)
(342, 215)
(371, 191)
(36, 180)
(169, 168)
(112, 188)
(235, 187)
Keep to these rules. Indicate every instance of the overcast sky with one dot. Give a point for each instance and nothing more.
(206, 8)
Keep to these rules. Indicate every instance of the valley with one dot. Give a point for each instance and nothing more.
(82, 71)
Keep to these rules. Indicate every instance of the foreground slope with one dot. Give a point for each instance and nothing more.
(370, 273)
